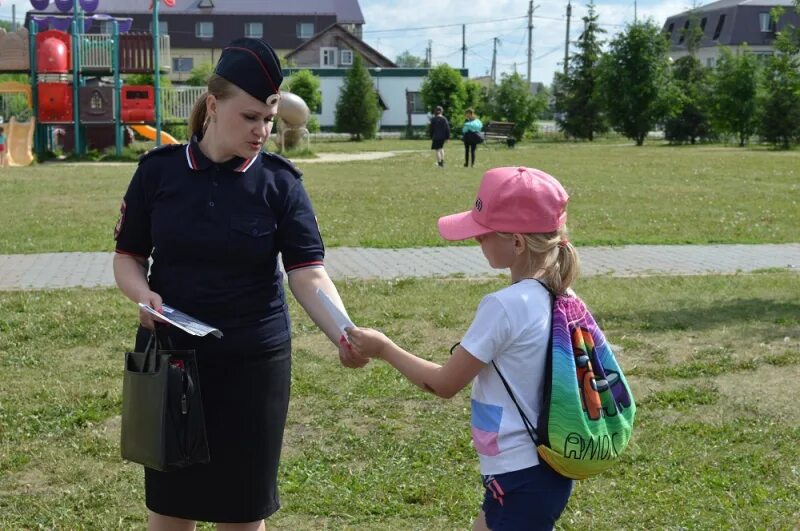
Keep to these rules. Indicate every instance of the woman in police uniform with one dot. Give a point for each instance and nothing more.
(213, 216)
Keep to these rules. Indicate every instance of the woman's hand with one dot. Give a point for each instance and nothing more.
(368, 342)
(152, 299)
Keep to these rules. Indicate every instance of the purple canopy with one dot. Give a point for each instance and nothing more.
(89, 5)
(40, 5)
(64, 5)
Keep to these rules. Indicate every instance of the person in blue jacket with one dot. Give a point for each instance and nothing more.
(472, 136)
(213, 216)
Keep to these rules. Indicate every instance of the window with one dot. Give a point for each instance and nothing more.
(670, 29)
(162, 27)
(327, 57)
(710, 62)
(416, 104)
(766, 23)
(254, 30)
(683, 33)
(305, 30)
(346, 57)
(204, 30)
(182, 64)
(703, 24)
(718, 30)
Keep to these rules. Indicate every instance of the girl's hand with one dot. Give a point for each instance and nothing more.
(368, 342)
(348, 357)
(152, 299)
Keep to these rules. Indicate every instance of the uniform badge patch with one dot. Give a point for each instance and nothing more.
(121, 220)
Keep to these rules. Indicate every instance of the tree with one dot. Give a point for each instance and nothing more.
(689, 117)
(578, 100)
(200, 74)
(512, 101)
(306, 85)
(780, 99)
(444, 86)
(633, 75)
(406, 60)
(357, 110)
(734, 87)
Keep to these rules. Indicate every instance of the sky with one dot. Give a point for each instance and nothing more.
(394, 26)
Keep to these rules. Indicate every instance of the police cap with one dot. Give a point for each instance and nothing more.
(253, 66)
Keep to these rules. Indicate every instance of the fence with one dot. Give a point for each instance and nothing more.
(177, 102)
(135, 53)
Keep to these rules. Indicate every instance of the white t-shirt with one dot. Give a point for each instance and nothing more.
(511, 327)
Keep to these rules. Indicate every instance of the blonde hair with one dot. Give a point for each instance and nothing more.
(551, 258)
(221, 88)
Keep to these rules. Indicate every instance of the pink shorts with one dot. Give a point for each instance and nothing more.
(2, 148)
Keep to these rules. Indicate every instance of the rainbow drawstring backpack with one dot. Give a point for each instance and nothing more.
(587, 412)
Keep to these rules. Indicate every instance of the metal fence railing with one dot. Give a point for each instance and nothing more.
(177, 102)
(136, 52)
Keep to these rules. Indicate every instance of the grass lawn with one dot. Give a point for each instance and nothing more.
(621, 194)
(712, 362)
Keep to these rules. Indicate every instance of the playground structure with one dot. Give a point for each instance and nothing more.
(67, 94)
(72, 105)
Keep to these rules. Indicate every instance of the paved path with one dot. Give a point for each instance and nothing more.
(89, 270)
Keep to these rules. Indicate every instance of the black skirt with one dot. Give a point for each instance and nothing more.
(245, 392)
(437, 143)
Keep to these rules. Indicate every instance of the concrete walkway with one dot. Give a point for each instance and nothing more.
(91, 270)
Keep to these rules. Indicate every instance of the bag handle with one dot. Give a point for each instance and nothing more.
(158, 341)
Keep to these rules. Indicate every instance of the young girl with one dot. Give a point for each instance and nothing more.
(3, 148)
(519, 220)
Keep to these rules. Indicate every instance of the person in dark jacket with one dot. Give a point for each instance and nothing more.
(215, 217)
(440, 132)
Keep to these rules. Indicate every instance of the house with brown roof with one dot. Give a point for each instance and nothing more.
(199, 29)
(335, 47)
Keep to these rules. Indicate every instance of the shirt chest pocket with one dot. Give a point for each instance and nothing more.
(252, 235)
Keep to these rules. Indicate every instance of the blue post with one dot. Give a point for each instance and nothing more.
(117, 89)
(37, 135)
(76, 77)
(157, 70)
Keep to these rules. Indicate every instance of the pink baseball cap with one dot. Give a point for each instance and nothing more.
(523, 200)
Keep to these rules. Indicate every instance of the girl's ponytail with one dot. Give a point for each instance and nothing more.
(552, 258)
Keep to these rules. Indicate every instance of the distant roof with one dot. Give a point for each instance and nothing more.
(347, 11)
(354, 41)
(722, 4)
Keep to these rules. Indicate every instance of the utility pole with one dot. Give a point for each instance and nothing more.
(634, 12)
(494, 61)
(463, 45)
(428, 54)
(566, 39)
(530, 38)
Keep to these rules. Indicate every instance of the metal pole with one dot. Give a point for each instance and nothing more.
(157, 71)
(117, 89)
(463, 45)
(13, 17)
(76, 78)
(494, 60)
(530, 38)
(37, 134)
(566, 39)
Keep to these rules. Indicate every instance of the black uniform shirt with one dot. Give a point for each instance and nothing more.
(214, 232)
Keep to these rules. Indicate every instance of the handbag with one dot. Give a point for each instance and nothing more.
(163, 426)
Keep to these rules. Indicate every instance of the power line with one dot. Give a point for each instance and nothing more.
(444, 25)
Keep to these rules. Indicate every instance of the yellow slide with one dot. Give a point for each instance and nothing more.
(19, 141)
(150, 134)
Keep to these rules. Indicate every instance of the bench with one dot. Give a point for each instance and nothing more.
(500, 132)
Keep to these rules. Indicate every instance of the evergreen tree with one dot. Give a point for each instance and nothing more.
(306, 85)
(578, 100)
(780, 100)
(689, 117)
(633, 77)
(734, 87)
(357, 109)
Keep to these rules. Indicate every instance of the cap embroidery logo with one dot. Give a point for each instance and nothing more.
(478, 204)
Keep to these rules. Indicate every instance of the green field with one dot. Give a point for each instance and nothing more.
(712, 362)
(620, 194)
